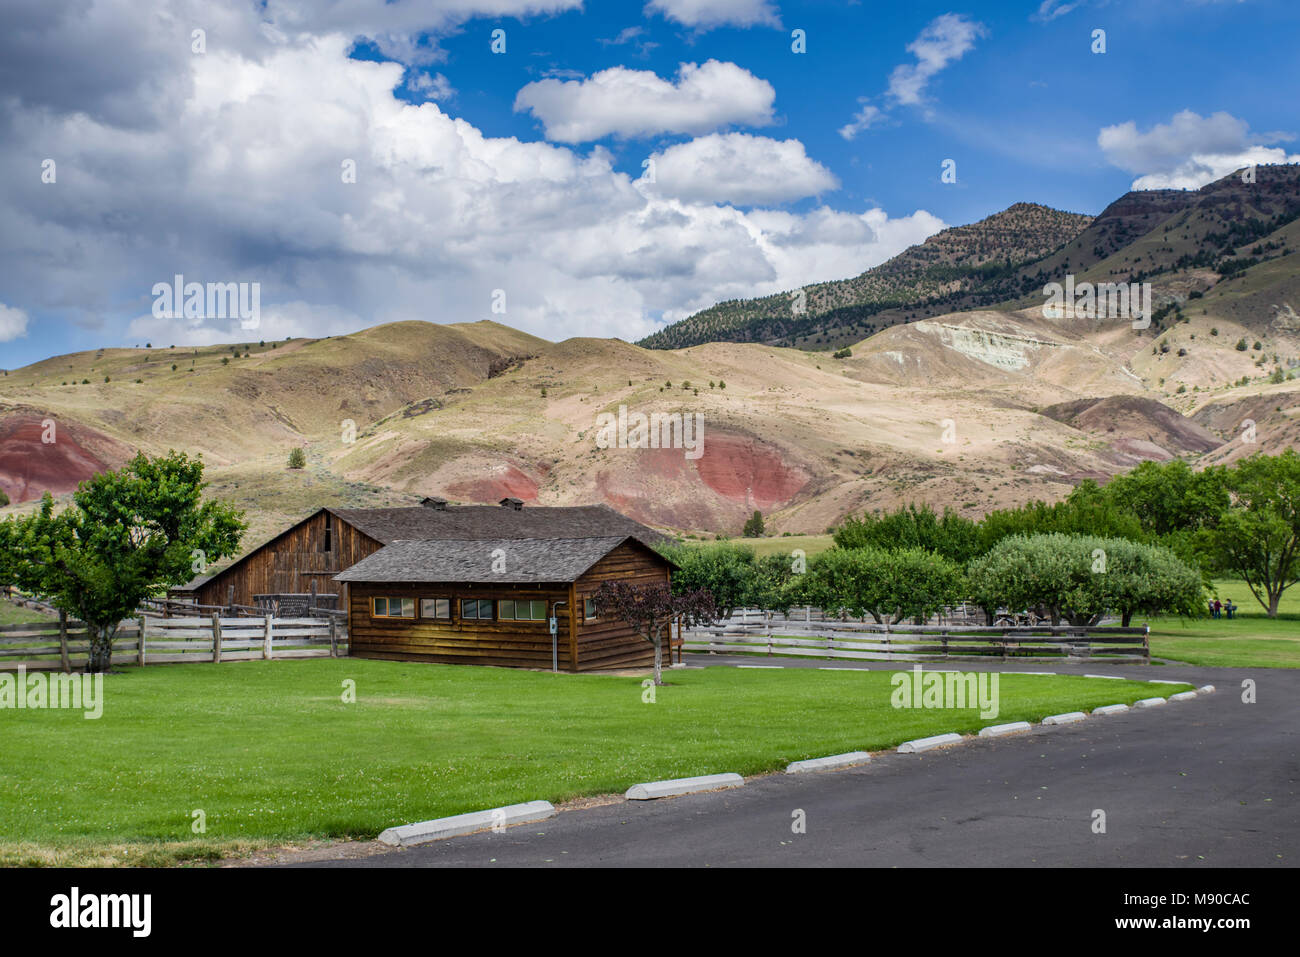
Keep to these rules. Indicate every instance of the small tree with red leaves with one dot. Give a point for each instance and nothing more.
(651, 609)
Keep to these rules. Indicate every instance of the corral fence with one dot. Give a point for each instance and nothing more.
(65, 644)
(796, 636)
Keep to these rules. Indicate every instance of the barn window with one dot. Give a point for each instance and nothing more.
(480, 608)
(519, 610)
(392, 608)
(588, 609)
(327, 545)
(435, 607)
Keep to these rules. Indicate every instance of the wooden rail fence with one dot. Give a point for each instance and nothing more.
(65, 645)
(873, 642)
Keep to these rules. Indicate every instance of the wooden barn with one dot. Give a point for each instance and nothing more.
(306, 557)
(489, 601)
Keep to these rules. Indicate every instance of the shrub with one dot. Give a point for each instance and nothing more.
(297, 459)
(889, 585)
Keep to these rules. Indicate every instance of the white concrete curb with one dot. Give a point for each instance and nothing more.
(1149, 702)
(662, 789)
(827, 763)
(1205, 689)
(1111, 709)
(1111, 677)
(1183, 696)
(925, 744)
(762, 667)
(1068, 718)
(408, 835)
(995, 730)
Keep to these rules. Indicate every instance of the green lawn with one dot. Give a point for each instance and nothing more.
(11, 614)
(779, 544)
(1249, 640)
(271, 754)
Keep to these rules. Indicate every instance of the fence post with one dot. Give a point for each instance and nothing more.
(216, 637)
(63, 640)
(334, 637)
(266, 642)
(139, 654)
(1146, 643)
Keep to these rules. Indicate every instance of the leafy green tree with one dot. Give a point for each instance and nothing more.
(1258, 537)
(1170, 497)
(1086, 511)
(4, 499)
(889, 585)
(1082, 577)
(724, 570)
(754, 527)
(128, 536)
(913, 526)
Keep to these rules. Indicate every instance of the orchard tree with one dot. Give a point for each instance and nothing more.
(889, 585)
(724, 570)
(129, 535)
(754, 526)
(1082, 577)
(651, 610)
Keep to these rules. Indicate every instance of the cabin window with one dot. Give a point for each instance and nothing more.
(519, 610)
(327, 544)
(589, 609)
(435, 607)
(392, 608)
(480, 608)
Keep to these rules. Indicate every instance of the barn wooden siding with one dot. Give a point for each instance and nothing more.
(290, 563)
(583, 645)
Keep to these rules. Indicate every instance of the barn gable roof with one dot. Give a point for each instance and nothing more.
(504, 560)
(490, 522)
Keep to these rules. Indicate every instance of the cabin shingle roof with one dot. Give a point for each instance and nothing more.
(504, 560)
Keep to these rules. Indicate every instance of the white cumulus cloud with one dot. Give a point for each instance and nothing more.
(13, 323)
(739, 168)
(1189, 151)
(704, 14)
(634, 103)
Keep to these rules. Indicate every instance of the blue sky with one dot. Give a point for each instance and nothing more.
(521, 173)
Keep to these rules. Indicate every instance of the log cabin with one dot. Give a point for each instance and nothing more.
(491, 602)
(306, 557)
